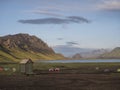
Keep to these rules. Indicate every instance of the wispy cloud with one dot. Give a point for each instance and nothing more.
(77, 19)
(59, 38)
(109, 5)
(72, 43)
(66, 20)
(47, 11)
(59, 8)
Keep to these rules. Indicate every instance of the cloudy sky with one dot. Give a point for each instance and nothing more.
(78, 23)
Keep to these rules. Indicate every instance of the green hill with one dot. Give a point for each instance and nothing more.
(114, 54)
(20, 46)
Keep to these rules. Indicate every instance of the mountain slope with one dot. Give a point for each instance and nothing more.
(20, 46)
(115, 53)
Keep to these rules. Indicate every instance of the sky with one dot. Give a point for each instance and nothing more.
(78, 23)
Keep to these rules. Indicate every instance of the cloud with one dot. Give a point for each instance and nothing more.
(45, 21)
(49, 12)
(109, 5)
(66, 20)
(60, 7)
(77, 19)
(59, 38)
(72, 43)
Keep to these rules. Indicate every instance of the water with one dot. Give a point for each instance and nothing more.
(80, 61)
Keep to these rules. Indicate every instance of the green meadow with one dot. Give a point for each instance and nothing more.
(64, 67)
(44, 66)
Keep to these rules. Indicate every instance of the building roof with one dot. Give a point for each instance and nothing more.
(24, 61)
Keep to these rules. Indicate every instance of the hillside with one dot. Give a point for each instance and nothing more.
(114, 54)
(20, 46)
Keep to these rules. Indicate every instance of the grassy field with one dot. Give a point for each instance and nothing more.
(44, 66)
(78, 67)
(72, 76)
(9, 67)
(64, 67)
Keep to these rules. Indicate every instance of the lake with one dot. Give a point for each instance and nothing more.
(80, 61)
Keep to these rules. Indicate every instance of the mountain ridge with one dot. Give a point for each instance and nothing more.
(70, 51)
(114, 54)
(20, 46)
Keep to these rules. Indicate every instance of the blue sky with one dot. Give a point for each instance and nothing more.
(79, 23)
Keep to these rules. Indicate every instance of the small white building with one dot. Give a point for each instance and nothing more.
(26, 66)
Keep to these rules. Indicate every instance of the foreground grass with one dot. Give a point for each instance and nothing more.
(65, 67)
(10, 67)
(44, 66)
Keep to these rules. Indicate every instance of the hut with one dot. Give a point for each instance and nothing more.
(26, 66)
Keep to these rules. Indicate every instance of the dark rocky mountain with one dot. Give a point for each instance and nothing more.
(114, 54)
(25, 46)
(25, 42)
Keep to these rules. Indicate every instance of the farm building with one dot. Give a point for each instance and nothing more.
(26, 66)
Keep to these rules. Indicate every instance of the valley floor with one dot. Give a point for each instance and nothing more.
(60, 81)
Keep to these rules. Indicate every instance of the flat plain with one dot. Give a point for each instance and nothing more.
(82, 77)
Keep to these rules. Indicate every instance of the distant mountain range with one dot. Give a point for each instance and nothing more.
(20, 46)
(81, 53)
(70, 51)
(114, 54)
(77, 56)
